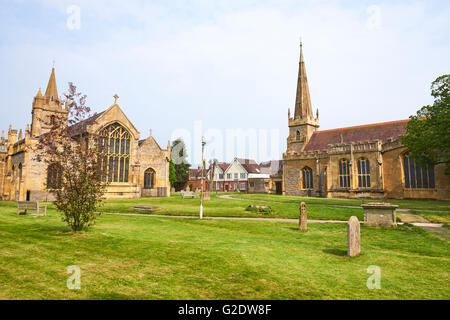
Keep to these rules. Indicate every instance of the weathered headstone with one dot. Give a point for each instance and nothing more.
(303, 220)
(353, 237)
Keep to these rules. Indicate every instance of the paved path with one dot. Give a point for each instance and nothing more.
(431, 225)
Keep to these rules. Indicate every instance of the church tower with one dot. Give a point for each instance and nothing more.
(47, 109)
(303, 124)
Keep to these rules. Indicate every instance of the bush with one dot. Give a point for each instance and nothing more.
(259, 209)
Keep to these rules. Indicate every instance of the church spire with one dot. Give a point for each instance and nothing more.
(303, 108)
(51, 91)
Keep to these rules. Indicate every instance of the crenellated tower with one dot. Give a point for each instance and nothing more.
(303, 124)
(47, 108)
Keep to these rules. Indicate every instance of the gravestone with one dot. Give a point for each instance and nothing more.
(353, 237)
(380, 214)
(303, 220)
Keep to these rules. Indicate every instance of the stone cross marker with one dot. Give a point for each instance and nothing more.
(303, 220)
(353, 237)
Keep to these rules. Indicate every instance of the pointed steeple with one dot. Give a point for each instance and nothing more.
(51, 91)
(303, 109)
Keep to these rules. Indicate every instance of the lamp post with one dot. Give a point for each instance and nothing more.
(202, 174)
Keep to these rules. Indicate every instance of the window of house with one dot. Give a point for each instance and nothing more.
(243, 175)
(218, 186)
(242, 186)
(115, 146)
(307, 174)
(54, 176)
(363, 173)
(252, 184)
(220, 175)
(344, 173)
(235, 175)
(417, 177)
(149, 179)
(228, 175)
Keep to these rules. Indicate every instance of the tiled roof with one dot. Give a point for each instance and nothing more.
(223, 165)
(81, 126)
(381, 131)
(270, 167)
(249, 165)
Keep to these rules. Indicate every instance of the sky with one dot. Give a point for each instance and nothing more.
(225, 69)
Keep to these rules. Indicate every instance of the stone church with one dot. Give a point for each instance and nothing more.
(138, 167)
(367, 161)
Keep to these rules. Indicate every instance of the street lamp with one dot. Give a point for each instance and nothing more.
(202, 174)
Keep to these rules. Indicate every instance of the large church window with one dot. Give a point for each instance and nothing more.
(307, 174)
(363, 173)
(54, 176)
(344, 173)
(417, 177)
(149, 179)
(115, 153)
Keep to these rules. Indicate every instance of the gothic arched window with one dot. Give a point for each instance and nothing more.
(363, 173)
(307, 174)
(54, 176)
(297, 135)
(416, 176)
(344, 173)
(115, 143)
(149, 179)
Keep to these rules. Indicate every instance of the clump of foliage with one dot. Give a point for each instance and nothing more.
(74, 157)
(178, 156)
(259, 209)
(428, 132)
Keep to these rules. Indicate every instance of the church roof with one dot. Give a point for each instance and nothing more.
(303, 107)
(81, 127)
(381, 131)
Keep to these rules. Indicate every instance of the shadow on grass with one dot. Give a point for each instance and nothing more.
(336, 252)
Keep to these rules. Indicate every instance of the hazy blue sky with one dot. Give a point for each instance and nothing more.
(231, 64)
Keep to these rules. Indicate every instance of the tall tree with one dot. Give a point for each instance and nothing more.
(179, 158)
(428, 132)
(72, 156)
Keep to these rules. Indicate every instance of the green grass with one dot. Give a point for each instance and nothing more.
(437, 217)
(126, 257)
(217, 207)
(403, 204)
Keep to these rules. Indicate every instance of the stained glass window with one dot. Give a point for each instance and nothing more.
(115, 153)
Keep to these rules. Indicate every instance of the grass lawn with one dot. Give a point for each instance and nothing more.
(403, 204)
(217, 207)
(126, 257)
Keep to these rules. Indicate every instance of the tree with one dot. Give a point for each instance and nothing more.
(172, 174)
(179, 158)
(427, 133)
(75, 155)
(211, 174)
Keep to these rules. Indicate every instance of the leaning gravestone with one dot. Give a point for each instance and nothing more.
(303, 222)
(353, 237)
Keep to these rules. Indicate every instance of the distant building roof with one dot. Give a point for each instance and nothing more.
(249, 165)
(381, 131)
(270, 167)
